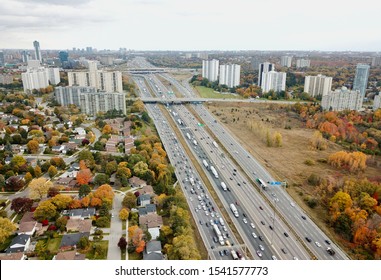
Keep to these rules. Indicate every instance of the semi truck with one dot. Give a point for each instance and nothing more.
(219, 234)
(214, 171)
(262, 183)
(188, 135)
(234, 210)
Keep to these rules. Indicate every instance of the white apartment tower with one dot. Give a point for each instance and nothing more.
(361, 78)
(210, 69)
(101, 80)
(90, 100)
(303, 63)
(230, 75)
(35, 78)
(342, 99)
(317, 85)
(286, 61)
(376, 61)
(264, 68)
(377, 101)
(273, 81)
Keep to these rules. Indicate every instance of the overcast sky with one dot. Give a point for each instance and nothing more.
(333, 25)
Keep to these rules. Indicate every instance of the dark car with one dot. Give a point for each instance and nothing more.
(260, 207)
(221, 253)
(271, 227)
(303, 217)
(201, 223)
(262, 222)
(327, 241)
(286, 234)
(239, 254)
(226, 252)
(215, 239)
(308, 239)
(284, 250)
(243, 214)
(260, 237)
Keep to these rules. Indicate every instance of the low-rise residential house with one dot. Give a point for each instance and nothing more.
(144, 199)
(149, 208)
(75, 165)
(69, 241)
(27, 228)
(78, 225)
(18, 256)
(152, 251)
(20, 243)
(82, 213)
(152, 222)
(58, 149)
(147, 189)
(70, 146)
(8, 160)
(64, 181)
(136, 182)
(69, 256)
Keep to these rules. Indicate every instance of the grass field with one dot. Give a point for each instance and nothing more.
(210, 93)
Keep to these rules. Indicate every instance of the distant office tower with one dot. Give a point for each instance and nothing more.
(37, 51)
(89, 49)
(34, 63)
(2, 60)
(107, 59)
(361, 78)
(286, 61)
(264, 68)
(377, 101)
(210, 69)
(64, 57)
(230, 75)
(376, 61)
(102, 80)
(202, 55)
(90, 100)
(317, 85)
(25, 56)
(273, 81)
(6, 79)
(303, 63)
(342, 99)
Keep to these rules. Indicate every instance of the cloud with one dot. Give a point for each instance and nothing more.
(57, 2)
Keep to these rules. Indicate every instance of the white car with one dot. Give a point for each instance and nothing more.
(244, 220)
(254, 235)
(261, 247)
(252, 225)
(292, 204)
(317, 244)
(274, 258)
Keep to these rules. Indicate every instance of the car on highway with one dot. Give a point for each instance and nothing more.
(254, 235)
(244, 220)
(261, 237)
(226, 252)
(261, 247)
(243, 214)
(262, 222)
(295, 258)
(239, 254)
(304, 217)
(259, 253)
(284, 250)
(285, 234)
(260, 207)
(271, 227)
(201, 223)
(215, 239)
(252, 225)
(317, 244)
(308, 239)
(292, 204)
(221, 253)
(327, 241)
(274, 258)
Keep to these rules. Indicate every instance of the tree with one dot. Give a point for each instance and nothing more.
(28, 177)
(135, 234)
(95, 202)
(37, 171)
(39, 188)
(111, 167)
(84, 190)
(278, 139)
(83, 242)
(129, 201)
(52, 171)
(84, 176)
(33, 146)
(46, 210)
(61, 223)
(61, 201)
(53, 191)
(7, 228)
(182, 248)
(122, 244)
(103, 222)
(339, 202)
(101, 179)
(14, 184)
(123, 214)
(87, 157)
(21, 204)
(107, 129)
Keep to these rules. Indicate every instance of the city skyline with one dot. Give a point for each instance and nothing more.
(202, 26)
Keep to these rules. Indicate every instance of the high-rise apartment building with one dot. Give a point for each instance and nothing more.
(35, 78)
(376, 61)
(377, 101)
(90, 100)
(2, 59)
(317, 85)
(101, 80)
(273, 81)
(64, 57)
(361, 78)
(230, 75)
(286, 61)
(264, 68)
(25, 56)
(342, 99)
(37, 51)
(210, 69)
(303, 63)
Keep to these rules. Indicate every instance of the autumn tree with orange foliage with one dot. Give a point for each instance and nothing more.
(84, 176)
(135, 235)
(353, 162)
